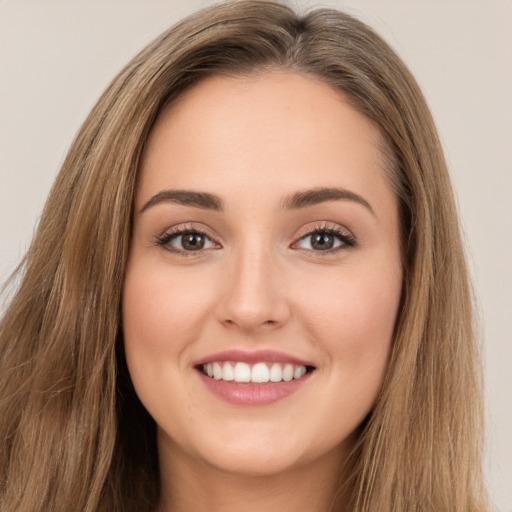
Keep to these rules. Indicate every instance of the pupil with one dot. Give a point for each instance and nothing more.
(193, 241)
(322, 241)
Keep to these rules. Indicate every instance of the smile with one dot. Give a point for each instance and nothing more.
(257, 378)
(258, 373)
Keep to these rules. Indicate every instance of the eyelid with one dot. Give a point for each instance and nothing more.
(347, 237)
(163, 240)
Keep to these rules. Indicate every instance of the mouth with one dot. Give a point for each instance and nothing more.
(261, 372)
(253, 378)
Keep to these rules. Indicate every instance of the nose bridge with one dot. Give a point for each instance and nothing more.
(254, 297)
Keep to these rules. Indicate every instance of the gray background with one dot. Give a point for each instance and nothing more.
(56, 57)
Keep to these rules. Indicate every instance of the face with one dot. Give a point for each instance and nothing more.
(266, 254)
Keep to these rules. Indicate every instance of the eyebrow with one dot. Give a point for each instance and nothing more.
(203, 200)
(316, 196)
(302, 199)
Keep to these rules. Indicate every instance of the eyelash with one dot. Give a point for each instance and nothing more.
(165, 239)
(347, 240)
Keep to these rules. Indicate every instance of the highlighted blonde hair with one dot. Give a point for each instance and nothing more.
(74, 435)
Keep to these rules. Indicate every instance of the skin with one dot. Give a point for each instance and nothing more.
(260, 285)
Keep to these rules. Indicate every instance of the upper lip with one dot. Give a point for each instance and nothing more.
(257, 356)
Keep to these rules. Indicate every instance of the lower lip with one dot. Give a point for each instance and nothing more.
(252, 394)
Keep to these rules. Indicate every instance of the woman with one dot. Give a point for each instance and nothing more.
(181, 340)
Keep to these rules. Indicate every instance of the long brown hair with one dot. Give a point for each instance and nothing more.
(74, 435)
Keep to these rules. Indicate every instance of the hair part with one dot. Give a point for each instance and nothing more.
(75, 435)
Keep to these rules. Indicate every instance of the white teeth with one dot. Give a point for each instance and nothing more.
(217, 371)
(227, 372)
(242, 372)
(299, 372)
(259, 373)
(288, 372)
(276, 373)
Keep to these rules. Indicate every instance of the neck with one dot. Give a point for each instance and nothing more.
(191, 485)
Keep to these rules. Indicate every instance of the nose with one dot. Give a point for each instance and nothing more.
(254, 298)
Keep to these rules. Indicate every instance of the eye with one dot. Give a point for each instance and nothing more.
(185, 241)
(325, 239)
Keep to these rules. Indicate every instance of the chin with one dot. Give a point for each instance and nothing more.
(259, 453)
(254, 461)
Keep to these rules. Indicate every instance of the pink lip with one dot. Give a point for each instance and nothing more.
(252, 394)
(257, 356)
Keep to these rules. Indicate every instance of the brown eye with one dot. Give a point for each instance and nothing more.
(192, 241)
(186, 241)
(326, 240)
(322, 241)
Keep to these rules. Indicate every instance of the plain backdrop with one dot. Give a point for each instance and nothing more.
(56, 57)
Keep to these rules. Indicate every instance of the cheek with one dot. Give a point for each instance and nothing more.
(158, 303)
(162, 314)
(353, 316)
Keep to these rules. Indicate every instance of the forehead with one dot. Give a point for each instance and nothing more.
(281, 129)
